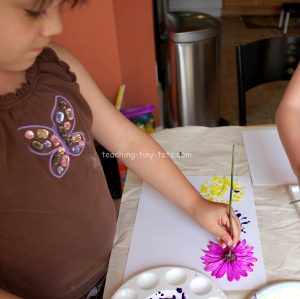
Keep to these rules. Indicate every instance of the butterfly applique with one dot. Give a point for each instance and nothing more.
(59, 141)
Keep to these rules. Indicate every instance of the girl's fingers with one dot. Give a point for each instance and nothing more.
(224, 236)
(236, 230)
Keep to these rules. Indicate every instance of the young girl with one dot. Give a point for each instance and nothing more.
(57, 219)
(288, 122)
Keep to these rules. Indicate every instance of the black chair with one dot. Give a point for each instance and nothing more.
(288, 9)
(111, 171)
(263, 61)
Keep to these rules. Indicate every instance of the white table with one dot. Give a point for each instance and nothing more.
(210, 148)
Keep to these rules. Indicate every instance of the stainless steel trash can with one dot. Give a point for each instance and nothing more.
(194, 68)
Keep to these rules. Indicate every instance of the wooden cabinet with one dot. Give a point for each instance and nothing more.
(254, 3)
(242, 2)
(277, 2)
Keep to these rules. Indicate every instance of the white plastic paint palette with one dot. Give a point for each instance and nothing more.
(295, 196)
(169, 283)
(279, 290)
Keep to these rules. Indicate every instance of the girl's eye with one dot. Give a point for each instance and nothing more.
(35, 14)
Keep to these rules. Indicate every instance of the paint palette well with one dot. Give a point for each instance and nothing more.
(169, 283)
(280, 290)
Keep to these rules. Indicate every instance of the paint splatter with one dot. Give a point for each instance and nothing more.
(243, 220)
(216, 188)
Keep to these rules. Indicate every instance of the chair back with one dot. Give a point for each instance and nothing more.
(263, 61)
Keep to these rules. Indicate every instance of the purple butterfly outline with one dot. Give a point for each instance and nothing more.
(60, 142)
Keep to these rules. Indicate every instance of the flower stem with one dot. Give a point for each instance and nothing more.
(231, 189)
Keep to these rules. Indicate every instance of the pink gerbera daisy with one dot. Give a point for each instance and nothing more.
(234, 263)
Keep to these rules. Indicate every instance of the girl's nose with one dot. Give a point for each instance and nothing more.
(52, 24)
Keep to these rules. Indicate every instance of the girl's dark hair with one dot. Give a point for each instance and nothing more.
(45, 3)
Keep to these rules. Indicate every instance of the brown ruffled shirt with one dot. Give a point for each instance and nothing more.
(57, 219)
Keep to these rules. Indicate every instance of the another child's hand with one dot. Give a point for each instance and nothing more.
(215, 218)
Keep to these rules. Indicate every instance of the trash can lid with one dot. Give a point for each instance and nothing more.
(185, 26)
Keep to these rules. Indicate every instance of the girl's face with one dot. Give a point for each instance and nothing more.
(25, 29)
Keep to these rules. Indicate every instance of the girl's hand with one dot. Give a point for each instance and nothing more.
(215, 218)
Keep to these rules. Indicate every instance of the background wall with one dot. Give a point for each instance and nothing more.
(114, 39)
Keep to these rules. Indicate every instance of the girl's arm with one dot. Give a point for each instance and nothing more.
(118, 135)
(6, 295)
(288, 122)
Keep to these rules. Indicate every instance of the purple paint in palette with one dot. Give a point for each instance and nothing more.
(169, 294)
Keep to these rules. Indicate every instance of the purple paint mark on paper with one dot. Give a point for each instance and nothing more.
(243, 220)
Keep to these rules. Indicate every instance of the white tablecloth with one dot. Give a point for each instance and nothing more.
(279, 222)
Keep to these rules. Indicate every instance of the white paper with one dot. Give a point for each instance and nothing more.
(164, 235)
(267, 159)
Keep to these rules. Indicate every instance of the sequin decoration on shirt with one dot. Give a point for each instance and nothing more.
(58, 141)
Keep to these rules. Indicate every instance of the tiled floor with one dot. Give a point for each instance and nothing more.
(263, 100)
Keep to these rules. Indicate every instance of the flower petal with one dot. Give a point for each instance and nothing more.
(214, 266)
(220, 272)
(229, 272)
